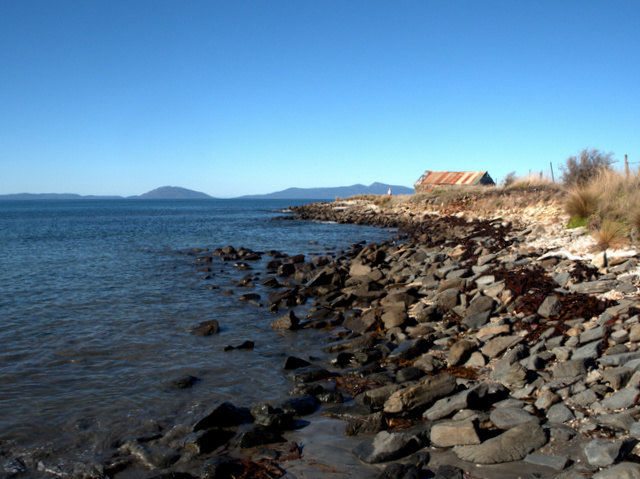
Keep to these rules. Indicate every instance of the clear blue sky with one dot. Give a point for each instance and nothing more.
(241, 97)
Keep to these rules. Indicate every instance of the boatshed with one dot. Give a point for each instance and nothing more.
(434, 179)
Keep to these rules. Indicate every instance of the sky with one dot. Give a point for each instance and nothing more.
(113, 97)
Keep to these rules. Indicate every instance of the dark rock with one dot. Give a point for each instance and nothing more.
(397, 470)
(460, 352)
(601, 452)
(411, 349)
(258, 436)
(300, 406)
(246, 345)
(449, 472)
(368, 321)
(371, 424)
(295, 363)
(182, 382)
(287, 322)
(206, 328)
(204, 442)
(224, 415)
(551, 306)
(308, 374)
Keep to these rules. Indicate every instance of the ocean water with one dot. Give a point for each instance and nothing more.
(97, 299)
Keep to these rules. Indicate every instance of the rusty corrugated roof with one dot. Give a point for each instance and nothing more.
(451, 177)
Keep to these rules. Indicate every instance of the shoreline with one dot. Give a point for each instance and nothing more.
(495, 348)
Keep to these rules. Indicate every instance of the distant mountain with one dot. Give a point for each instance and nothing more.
(172, 193)
(332, 193)
(162, 193)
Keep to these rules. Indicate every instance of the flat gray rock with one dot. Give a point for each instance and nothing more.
(499, 345)
(623, 399)
(455, 433)
(593, 287)
(601, 453)
(509, 417)
(512, 445)
(560, 413)
(555, 462)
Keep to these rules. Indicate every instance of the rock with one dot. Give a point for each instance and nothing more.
(601, 453)
(623, 399)
(624, 470)
(300, 406)
(508, 417)
(588, 351)
(207, 328)
(224, 415)
(219, 468)
(481, 396)
(308, 374)
(259, 435)
(204, 442)
(516, 377)
(593, 287)
(560, 413)
(617, 377)
(410, 349)
(288, 321)
(364, 323)
(182, 382)
(386, 447)
(397, 470)
(555, 462)
(511, 445)
(572, 368)
(153, 457)
(551, 306)
(480, 304)
(460, 352)
(455, 433)
(499, 345)
(394, 317)
(293, 362)
(247, 345)
(449, 472)
(422, 395)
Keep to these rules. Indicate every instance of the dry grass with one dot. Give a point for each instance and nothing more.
(611, 234)
(581, 202)
(531, 181)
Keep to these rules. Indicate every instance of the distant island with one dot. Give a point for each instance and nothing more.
(178, 193)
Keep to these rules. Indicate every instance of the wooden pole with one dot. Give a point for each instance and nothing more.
(553, 180)
(626, 165)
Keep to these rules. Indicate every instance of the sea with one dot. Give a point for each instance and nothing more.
(97, 302)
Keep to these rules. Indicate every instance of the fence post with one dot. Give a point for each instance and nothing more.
(553, 180)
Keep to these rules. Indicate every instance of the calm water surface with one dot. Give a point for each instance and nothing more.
(96, 301)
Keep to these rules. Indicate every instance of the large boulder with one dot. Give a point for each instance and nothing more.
(421, 395)
(511, 445)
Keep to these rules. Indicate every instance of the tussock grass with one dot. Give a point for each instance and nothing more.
(611, 234)
(581, 202)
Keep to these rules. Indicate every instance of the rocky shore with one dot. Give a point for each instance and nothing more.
(465, 347)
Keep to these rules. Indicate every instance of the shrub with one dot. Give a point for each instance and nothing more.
(509, 179)
(529, 181)
(586, 165)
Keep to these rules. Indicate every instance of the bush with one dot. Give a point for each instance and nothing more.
(580, 169)
(509, 179)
